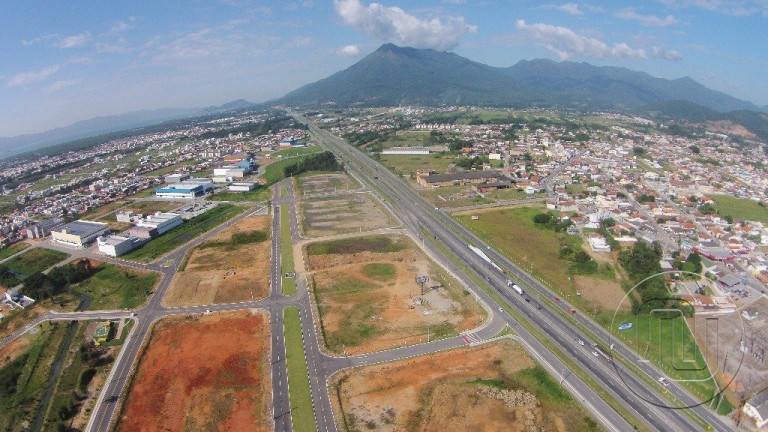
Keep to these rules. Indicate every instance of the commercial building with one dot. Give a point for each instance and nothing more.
(757, 408)
(185, 190)
(79, 233)
(242, 187)
(43, 228)
(161, 222)
(176, 178)
(115, 246)
(406, 151)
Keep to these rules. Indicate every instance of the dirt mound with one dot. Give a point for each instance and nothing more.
(203, 373)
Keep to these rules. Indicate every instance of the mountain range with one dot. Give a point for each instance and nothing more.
(393, 75)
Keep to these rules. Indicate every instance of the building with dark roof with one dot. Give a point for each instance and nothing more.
(80, 233)
(757, 408)
(462, 178)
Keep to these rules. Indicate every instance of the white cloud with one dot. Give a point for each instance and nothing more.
(726, 7)
(348, 51)
(32, 76)
(647, 20)
(74, 40)
(664, 54)
(392, 24)
(569, 8)
(39, 39)
(60, 84)
(121, 26)
(565, 43)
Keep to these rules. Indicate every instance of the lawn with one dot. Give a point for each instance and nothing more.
(24, 379)
(184, 233)
(12, 249)
(155, 206)
(741, 208)
(261, 193)
(273, 172)
(113, 287)
(298, 151)
(409, 164)
(513, 233)
(302, 412)
(375, 244)
(98, 212)
(407, 139)
(31, 262)
(286, 251)
(668, 343)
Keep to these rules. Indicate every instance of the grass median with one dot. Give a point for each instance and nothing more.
(286, 251)
(302, 411)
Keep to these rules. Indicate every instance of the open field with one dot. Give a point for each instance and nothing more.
(184, 233)
(155, 206)
(302, 414)
(203, 373)
(740, 208)
(25, 377)
(112, 287)
(261, 193)
(342, 214)
(225, 270)
(298, 151)
(493, 387)
(17, 318)
(30, 262)
(324, 183)
(408, 164)
(12, 249)
(451, 196)
(99, 212)
(368, 299)
(85, 371)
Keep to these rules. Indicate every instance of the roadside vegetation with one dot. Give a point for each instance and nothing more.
(302, 410)
(21, 267)
(286, 251)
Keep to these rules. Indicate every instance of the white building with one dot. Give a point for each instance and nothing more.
(406, 151)
(757, 408)
(162, 222)
(116, 245)
(79, 233)
(598, 243)
(242, 187)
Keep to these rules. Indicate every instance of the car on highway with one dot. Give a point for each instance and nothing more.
(664, 381)
(581, 342)
(594, 353)
(557, 298)
(571, 310)
(528, 300)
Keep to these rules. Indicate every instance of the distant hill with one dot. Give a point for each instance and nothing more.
(10, 146)
(394, 75)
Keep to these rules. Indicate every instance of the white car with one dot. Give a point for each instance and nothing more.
(664, 381)
(581, 342)
(594, 353)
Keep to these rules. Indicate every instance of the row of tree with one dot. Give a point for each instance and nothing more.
(324, 161)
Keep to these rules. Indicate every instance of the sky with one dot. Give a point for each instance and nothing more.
(61, 62)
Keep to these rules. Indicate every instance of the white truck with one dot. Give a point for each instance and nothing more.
(515, 287)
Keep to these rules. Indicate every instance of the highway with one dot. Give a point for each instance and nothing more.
(418, 214)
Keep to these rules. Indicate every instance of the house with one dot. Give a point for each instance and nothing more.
(598, 243)
(756, 408)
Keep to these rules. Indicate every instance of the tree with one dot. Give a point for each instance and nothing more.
(638, 151)
(607, 223)
(542, 218)
(644, 198)
(695, 149)
(707, 208)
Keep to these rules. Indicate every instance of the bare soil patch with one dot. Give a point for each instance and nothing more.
(203, 373)
(341, 214)
(225, 274)
(325, 184)
(473, 389)
(370, 301)
(605, 294)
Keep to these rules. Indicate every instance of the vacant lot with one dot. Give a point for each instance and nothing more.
(112, 287)
(407, 165)
(741, 208)
(155, 206)
(324, 184)
(203, 373)
(493, 387)
(184, 232)
(368, 299)
(329, 216)
(225, 269)
(13, 249)
(28, 263)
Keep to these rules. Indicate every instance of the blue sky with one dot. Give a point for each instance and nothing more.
(61, 62)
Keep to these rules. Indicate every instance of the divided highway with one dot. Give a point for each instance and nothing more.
(417, 214)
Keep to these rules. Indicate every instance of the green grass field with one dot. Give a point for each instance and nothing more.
(740, 208)
(12, 249)
(375, 244)
(155, 206)
(23, 380)
(184, 233)
(409, 164)
(286, 251)
(33, 261)
(302, 413)
(298, 151)
(261, 193)
(379, 271)
(112, 287)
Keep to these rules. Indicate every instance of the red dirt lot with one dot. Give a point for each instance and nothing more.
(203, 373)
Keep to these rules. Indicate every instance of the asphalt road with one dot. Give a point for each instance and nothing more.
(412, 208)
